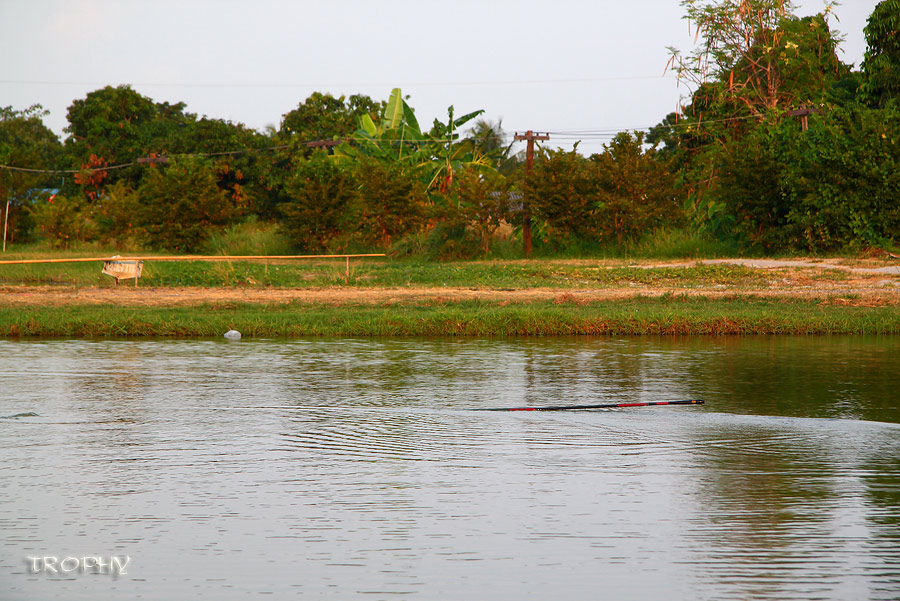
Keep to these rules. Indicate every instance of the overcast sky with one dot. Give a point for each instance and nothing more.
(558, 65)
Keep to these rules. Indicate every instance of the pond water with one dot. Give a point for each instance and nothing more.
(356, 469)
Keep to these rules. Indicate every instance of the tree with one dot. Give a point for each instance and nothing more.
(390, 201)
(483, 203)
(397, 136)
(756, 60)
(112, 123)
(241, 175)
(636, 189)
(324, 117)
(118, 125)
(319, 195)
(563, 194)
(181, 204)
(881, 65)
(842, 180)
(748, 188)
(62, 220)
(756, 55)
(25, 144)
(616, 195)
(491, 141)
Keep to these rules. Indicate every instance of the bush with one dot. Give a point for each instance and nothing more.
(320, 195)
(390, 202)
(118, 215)
(482, 203)
(63, 220)
(834, 186)
(181, 205)
(616, 195)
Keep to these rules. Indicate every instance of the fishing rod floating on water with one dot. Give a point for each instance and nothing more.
(600, 406)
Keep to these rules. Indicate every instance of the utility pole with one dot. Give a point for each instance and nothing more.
(803, 112)
(530, 137)
(323, 143)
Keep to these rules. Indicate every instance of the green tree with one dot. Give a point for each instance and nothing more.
(181, 204)
(119, 125)
(112, 123)
(241, 166)
(748, 188)
(616, 195)
(27, 146)
(320, 194)
(390, 201)
(756, 55)
(491, 142)
(831, 187)
(63, 220)
(435, 155)
(881, 65)
(636, 190)
(324, 117)
(117, 216)
(483, 203)
(563, 193)
(842, 180)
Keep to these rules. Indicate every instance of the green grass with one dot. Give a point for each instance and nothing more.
(248, 238)
(391, 273)
(671, 315)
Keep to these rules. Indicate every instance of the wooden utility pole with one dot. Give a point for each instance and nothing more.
(324, 143)
(804, 114)
(530, 137)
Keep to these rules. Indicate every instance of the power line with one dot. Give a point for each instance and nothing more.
(341, 85)
(565, 135)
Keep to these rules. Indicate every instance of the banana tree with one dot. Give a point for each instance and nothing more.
(434, 155)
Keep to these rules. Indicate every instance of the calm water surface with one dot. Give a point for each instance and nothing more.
(355, 469)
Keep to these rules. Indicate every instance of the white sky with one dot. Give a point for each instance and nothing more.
(557, 65)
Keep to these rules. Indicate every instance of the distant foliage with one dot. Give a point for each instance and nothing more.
(831, 187)
(636, 190)
(843, 180)
(181, 205)
(118, 216)
(25, 142)
(319, 194)
(324, 117)
(483, 202)
(614, 196)
(391, 202)
(64, 221)
(881, 66)
(563, 193)
(757, 55)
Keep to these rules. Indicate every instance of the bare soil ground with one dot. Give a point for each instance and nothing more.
(869, 283)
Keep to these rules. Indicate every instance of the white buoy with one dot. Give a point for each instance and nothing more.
(233, 335)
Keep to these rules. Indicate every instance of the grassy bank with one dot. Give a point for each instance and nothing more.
(667, 316)
(370, 273)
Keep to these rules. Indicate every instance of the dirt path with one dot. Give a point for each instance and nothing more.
(870, 284)
(864, 268)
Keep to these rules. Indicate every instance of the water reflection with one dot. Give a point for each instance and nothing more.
(342, 468)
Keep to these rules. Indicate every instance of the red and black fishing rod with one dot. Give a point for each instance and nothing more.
(600, 406)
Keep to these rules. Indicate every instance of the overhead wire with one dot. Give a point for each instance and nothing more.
(342, 85)
(566, 135)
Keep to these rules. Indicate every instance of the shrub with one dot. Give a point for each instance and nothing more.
(63, 220)
(482, 203)
(320, 194)
(181, 205)
(390, 202)
(616, 195)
